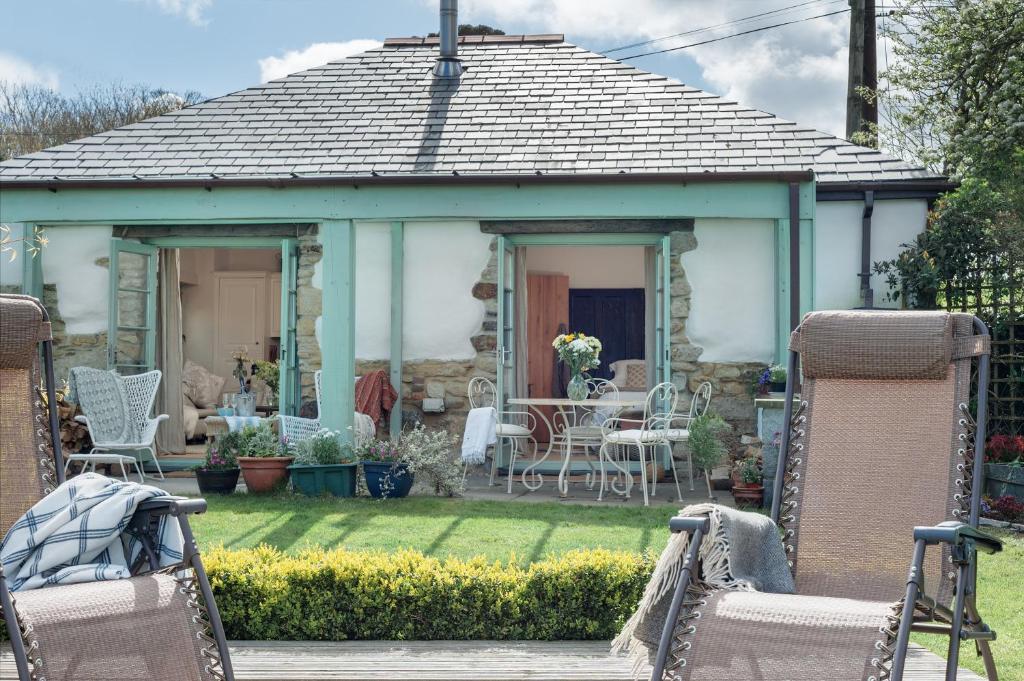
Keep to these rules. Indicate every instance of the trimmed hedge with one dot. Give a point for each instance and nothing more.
(264, 594)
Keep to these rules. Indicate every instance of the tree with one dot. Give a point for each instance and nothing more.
(954, 90)
(474, 29)
(33, 117)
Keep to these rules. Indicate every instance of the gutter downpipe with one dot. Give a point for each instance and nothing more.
(867, 293)
(794, 255)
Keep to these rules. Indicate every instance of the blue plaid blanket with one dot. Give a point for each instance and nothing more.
(76, 534)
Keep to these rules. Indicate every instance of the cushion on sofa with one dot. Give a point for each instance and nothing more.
(201, 386)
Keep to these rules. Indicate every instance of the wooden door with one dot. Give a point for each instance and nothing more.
(547, 309)
(240, 323)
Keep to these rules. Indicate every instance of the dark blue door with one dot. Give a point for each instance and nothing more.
(615, 316)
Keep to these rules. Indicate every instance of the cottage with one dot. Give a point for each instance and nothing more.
(440, 211)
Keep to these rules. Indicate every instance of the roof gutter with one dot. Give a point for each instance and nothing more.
(885, 189)
(356, 181)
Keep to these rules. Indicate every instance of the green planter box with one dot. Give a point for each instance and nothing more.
(338, 480)
(1003, 479)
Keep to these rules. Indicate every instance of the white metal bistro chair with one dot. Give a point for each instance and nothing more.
(140, 391)
(579, 429)
(515, 427)
(678, 432)
(622, 434)
(295, 429)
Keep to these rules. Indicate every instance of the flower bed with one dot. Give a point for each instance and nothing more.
(264, 594)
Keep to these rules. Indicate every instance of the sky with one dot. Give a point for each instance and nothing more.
(220, 46)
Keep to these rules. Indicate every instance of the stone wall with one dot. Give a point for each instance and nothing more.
(447, 380)
(72, 350)
(730, 381)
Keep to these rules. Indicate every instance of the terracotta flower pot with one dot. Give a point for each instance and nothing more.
(749, 494)
(263, 474)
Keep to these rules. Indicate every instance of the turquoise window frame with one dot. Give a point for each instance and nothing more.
(114, 325)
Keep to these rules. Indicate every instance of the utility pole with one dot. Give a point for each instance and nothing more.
(863, 69)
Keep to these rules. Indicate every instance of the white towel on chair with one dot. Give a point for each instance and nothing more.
(236, 423)
(479, 434)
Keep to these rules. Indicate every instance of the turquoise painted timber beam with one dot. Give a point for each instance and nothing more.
(738, 199)
(273, 242)
(337, 331)
(31, 264)
(397, 323)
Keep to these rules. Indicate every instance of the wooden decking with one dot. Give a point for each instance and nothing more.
(453, 661)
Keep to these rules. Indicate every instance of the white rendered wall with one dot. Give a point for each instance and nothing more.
(590, 266)
(732, 275)
(69, 261)
(443, 260)
(837, 241)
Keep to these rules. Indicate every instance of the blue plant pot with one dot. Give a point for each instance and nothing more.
(385, 480)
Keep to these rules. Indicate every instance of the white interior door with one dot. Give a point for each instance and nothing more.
(240, 319)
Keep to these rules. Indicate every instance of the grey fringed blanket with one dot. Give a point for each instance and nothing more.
(742, 550)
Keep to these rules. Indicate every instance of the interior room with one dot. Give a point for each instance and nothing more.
(230, 301)
(597, 290)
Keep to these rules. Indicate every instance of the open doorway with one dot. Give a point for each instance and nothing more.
(187, 307)
(599, 290)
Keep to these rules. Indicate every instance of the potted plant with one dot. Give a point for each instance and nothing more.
(1004, 466)
(219, 473)
(387, 474)
(747, 487)
(270, 374)
(323, 466)
(706, 447)
(771, 380)
(429, 455)
(263, 460)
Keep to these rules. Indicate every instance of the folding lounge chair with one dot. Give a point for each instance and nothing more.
(159, 625)
(877, 502)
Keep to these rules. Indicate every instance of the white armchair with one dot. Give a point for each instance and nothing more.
(140, 392)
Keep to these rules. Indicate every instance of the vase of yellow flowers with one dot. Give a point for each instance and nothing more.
(580, 353)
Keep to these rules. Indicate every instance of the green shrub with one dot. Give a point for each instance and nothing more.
(263, 594)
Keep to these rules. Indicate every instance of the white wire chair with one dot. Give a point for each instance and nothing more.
(580, 428)
(517, 427)
(679, 431)
(141, 394)
(645, 435)
(295, 429)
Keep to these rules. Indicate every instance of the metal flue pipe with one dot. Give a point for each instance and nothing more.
(448, 64)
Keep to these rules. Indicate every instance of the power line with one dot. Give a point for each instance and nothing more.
(721, 25)
(734, 35)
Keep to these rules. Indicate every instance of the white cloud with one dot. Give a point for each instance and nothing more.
(16, 70)
(797, 72)
(316, 54)
(192, 10)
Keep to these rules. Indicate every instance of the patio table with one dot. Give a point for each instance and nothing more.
(562, 405)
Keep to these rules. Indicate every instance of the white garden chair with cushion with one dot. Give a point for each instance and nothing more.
(645, 435)
(139, 393)
(679, 431)
(516, 427)
(295, 429)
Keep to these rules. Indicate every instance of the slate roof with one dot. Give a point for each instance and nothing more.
(525, 105)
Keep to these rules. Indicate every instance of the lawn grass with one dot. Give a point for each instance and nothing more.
(526, 532)
(438, 527)
(1001, 603)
